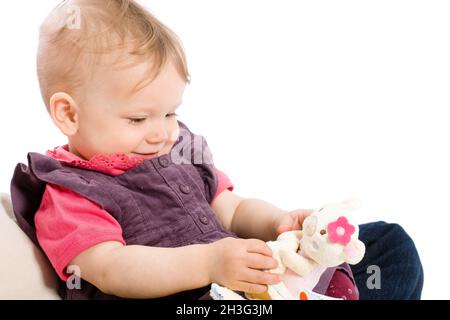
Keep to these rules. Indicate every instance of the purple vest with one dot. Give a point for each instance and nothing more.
(162, 202)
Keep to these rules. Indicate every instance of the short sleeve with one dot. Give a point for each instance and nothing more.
(67, 224)
(224, 183)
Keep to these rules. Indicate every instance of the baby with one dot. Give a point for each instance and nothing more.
(134, 201)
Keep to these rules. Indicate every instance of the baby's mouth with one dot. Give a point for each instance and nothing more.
(146, 156)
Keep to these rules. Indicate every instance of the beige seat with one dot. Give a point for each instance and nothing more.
(25, 272)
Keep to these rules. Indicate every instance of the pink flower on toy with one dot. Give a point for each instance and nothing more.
(340, 231)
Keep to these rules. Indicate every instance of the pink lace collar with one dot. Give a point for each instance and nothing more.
(113, 164)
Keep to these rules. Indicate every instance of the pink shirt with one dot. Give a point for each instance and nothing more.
(67, 223)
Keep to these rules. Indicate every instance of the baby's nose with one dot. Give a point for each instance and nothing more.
(156, 134)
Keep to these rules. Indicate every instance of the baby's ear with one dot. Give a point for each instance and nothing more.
(64, 113)
(354, 251)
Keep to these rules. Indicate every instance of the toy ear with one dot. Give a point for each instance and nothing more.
(354, 251)
(352, 204)
(309, 225)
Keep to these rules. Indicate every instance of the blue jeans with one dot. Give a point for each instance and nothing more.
(391, 249)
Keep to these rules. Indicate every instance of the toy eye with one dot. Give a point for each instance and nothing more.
(323, 231)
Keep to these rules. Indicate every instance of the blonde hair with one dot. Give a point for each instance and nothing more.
(70, 50)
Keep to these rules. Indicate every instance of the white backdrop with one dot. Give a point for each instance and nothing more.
(302, 102)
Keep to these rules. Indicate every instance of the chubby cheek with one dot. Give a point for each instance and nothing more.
(124, 141)
(106, 139)
(112, 142)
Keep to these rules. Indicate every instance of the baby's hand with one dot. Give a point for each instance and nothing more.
(239, 265)
(291, 221)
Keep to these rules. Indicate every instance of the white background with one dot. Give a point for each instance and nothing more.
(302, 102)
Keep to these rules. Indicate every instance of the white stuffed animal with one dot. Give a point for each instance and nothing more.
(329, 237)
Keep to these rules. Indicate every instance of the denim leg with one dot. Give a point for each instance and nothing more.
(390, 248)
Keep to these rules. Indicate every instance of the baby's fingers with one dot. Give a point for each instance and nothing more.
(302, 214)
(249, 287)
(261, 277)
(259, 261)
(258, 246)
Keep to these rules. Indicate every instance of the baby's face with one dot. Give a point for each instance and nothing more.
(113, 119)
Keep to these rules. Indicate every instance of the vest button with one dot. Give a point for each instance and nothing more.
(164, 161)
(185, 189)
(204, 220)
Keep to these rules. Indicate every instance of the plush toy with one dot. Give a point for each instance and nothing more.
(329, 237)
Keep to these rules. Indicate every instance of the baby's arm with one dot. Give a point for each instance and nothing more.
(144, 272)
(248, 218)
(148, 272)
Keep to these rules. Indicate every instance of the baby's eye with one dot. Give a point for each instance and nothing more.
(136, 120)
(171, 115)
